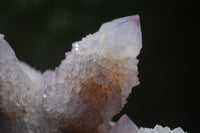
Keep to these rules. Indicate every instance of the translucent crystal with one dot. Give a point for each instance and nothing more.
(83, 93)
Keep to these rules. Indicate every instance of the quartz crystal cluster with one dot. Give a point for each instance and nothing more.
(83, 93)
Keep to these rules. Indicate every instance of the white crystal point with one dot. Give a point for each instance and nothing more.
(120, 38)
(1, 36)
(124, 125)
(160, 129)
(18, 83)
(127, 34)
(6, 52)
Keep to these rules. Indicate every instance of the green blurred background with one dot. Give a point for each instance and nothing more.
(41, 31)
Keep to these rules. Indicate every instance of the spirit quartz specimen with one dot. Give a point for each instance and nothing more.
(81, 95)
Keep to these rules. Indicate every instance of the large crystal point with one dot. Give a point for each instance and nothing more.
(81, 95)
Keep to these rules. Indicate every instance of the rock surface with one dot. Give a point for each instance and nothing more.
(81, 95)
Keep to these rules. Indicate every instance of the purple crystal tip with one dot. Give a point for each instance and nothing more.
(134, 18)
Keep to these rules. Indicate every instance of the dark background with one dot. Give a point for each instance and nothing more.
(41, 31)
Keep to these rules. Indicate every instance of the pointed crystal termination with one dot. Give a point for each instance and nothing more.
(124, 125)
(89, 87)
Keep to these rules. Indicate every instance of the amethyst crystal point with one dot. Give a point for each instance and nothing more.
(124, 125)
(83, 94)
